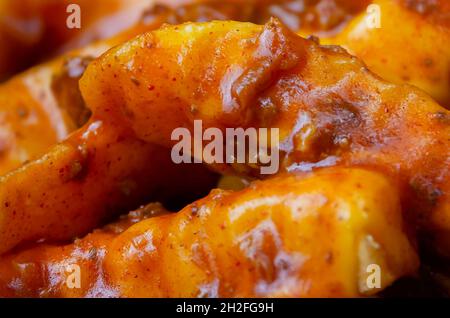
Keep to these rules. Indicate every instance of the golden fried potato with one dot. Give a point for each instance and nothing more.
(98, 172)
(35, 279)
(292, 236)
(410, 45)
(40, 107)
(47, 100)
(330, 109)
(407, 47)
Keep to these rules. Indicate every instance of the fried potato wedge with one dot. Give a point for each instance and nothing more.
(402, 41)
(291, 236)
(98, 172)
(42, 106)
(408, 45)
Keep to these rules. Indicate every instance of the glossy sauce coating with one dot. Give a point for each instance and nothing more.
(47, 101)
(410, 45)
(329, 116)
(43, 105)
(329, 108)
(98, 172)
(292, 236)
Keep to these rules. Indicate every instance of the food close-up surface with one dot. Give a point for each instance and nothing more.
(224, 148)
